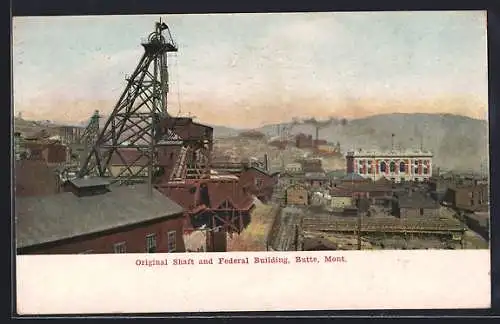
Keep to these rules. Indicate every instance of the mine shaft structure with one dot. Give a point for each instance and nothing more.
(90, 134)
(134, 126)
(142, 142)
(78, 144)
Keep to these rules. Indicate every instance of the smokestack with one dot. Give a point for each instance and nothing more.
(266, 162)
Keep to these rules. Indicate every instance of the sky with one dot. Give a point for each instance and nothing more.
(247, 70)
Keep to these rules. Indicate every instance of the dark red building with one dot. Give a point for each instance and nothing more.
(218, 201)
(94, 219)
(179, 132)
(34, 178)
(258, 182)
(303, 141)
(54, 153)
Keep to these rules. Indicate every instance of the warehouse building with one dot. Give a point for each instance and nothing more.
(94, 219)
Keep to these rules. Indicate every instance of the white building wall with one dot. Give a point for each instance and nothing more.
(419, 167)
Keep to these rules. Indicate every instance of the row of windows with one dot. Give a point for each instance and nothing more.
(392, 168)
(151, 244)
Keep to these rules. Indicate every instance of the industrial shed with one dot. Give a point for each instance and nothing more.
(123, 220)
(415, 204)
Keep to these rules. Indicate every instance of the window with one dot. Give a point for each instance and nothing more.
(416, 170)
(392, 167)
(426, 171)
(402, 167)
(383, 167)
(172, 241)
(151, 243)
(258, 182)
(120, 247)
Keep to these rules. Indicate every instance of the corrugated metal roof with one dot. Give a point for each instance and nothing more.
(61, 216)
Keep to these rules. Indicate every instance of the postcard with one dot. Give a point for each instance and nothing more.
(251, 162)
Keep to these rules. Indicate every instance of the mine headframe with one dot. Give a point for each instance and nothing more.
(90, 134)
(129, 134)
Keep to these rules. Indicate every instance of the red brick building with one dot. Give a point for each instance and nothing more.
(121, 220)
(50, 153)
(468, 197)
(303, 141)
(34, 178)
(258, 182)
(218, 201)
(55, 153)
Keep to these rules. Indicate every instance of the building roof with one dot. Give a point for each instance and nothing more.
(318, 244)
(89, 182)
(336, 173)
(187, 194)
(261, 170)
(353, 177)
(297, 185)
(417, 200)
(316, 175)
(393, 153)
(62, 216)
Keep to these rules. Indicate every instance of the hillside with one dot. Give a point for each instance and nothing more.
(457, 142)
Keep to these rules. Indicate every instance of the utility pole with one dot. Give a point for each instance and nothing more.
(360, 216)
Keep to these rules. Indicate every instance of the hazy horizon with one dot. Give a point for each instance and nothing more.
(247, 70)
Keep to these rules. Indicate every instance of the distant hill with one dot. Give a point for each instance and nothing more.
(458, 142)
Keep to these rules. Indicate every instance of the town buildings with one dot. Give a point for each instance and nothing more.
(297, 195)
(258, 182)
(415, 204)
(468, 197)
(124, 219)
(34, 178)
(398, 166)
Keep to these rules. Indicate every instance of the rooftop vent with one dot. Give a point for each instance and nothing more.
(89, 186)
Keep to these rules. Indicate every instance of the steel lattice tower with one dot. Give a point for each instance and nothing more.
(133, 124)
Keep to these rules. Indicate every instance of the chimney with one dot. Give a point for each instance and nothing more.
(266, 162)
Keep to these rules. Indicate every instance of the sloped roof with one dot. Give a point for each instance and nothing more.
(187, 194)
(62, 216)
(417, 200)
(353, 177)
